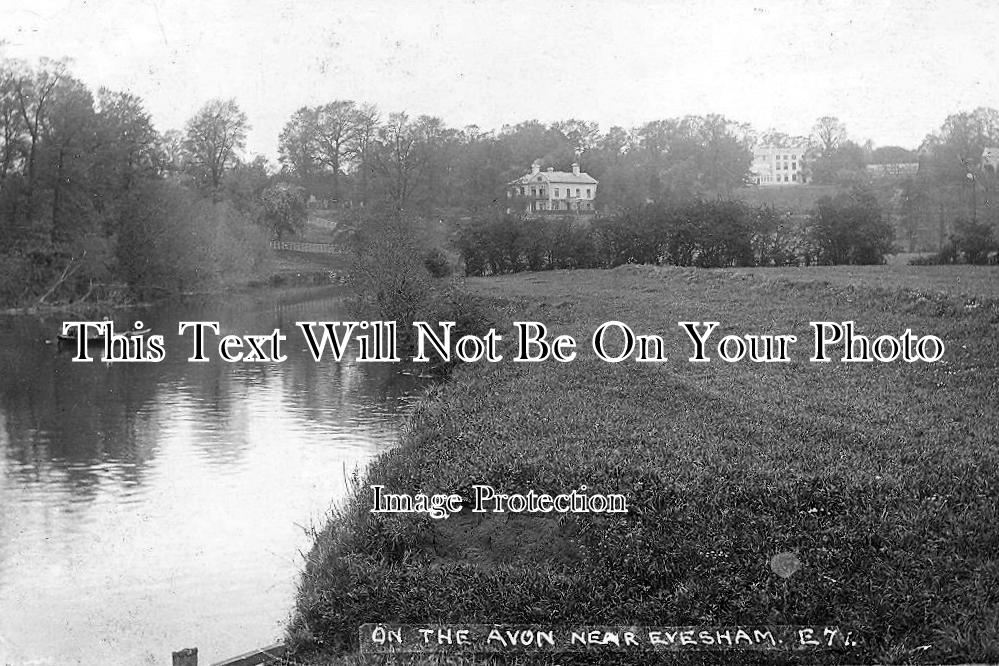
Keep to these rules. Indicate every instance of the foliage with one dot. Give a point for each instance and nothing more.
(849, 229)
(175, 241)
(696, 233)
(972, 243)
(974, 240)
(214, 138)
(283, 210)
(387, 272)
(842, 165)
(437, 263)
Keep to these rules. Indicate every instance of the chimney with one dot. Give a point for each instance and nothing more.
(535, 168)
(575, 168)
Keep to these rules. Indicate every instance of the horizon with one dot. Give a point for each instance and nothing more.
(775, 66)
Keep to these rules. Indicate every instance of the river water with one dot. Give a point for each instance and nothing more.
(146, 508)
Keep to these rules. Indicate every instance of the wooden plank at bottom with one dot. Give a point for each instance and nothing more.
(259, 657)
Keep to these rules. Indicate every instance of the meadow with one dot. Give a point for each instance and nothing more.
(882, 479)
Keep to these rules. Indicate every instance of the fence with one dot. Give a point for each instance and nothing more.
(315, 248)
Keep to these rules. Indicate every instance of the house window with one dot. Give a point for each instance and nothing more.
(556, 192)
(587, 193)
(794, 177)
(534, 191)
(577, 191)
(794, 166)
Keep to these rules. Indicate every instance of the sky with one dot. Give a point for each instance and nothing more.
(890, 70)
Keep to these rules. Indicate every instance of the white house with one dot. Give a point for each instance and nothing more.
(553, 191)
(773, 165)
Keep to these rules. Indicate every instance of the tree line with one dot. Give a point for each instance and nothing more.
(94, 199)
(96, 203)
(846, 229)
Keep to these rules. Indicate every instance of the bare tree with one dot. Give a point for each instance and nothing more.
(33, 91)
(333, 137)
(829, 132)
(214, 138)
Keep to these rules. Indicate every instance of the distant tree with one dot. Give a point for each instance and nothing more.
(849, 229)
(780, 139)
(12, 129)
(844, 165)
(245, 183)
(128, 153)
(67, 158)
(828, 132)
(296, 149)
(283, 209)
(580, 135)
(396, 160)
(956, 149)
(891, 155)
(173, 154)
(973, 240)
(335, 125)
(214, 138)
(692, 157)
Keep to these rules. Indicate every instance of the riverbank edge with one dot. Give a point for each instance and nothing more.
(276, 284)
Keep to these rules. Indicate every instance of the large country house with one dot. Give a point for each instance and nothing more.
(553, 191)
(774, 165)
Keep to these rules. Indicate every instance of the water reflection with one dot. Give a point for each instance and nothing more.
(148, 507)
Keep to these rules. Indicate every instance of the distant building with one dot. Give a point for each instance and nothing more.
(892, 171)
(779, 166)
(553, 191)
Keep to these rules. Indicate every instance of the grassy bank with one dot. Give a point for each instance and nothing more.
(883, 479)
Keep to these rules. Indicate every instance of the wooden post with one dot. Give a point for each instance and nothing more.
(186, 657)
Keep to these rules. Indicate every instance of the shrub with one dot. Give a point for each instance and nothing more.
(849, 229)
(973, 240)
(387, 271)
(172, 240)
(437, 263)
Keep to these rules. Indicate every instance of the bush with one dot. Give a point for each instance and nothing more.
(172, 240)
(849, 229)
(973, 240)
(55, 272)
(436, 263)
(387, 271)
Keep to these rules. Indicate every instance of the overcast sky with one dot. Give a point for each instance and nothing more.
(892, 71)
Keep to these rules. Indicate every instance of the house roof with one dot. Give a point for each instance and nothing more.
(555, 178)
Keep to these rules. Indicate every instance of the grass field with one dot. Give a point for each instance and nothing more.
(882, 479)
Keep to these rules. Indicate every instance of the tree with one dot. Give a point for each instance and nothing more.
(67, 156)
(334, 127)
(296, 148)
(844, 165)
(214, 138)
(849, 229)
(128, 153)
(972, 239)
(283, 209)
(396, 161)
(828, 133)
(891, 155)
(12, 145)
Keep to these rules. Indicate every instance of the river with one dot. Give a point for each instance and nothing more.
(146, 508)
